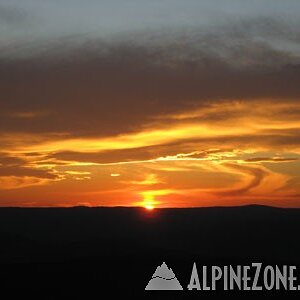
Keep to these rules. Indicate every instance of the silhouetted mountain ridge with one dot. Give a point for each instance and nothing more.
(81, 246)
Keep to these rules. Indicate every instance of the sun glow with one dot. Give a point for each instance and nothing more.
(149, 206)
(149, 199)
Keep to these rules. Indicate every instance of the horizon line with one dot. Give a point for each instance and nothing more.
(142, 207)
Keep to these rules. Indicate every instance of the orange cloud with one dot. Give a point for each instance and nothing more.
(219, 152)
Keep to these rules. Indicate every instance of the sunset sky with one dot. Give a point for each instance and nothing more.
(149, 103)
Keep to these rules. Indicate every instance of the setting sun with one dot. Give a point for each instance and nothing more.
(149, 207)
(149, 198)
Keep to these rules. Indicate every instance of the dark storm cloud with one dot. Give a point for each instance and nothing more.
(85, 93)
(100, 88)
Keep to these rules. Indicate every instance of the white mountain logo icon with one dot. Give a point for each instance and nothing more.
(163, 279)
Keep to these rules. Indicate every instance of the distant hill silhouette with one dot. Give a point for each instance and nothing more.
(118, 248)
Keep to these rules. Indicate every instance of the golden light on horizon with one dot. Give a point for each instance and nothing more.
(149, 200)
(149, 207)
(184, 161)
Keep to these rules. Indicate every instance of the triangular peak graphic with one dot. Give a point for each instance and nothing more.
(163, 279)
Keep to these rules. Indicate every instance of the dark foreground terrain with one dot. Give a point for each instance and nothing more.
(118, 249)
